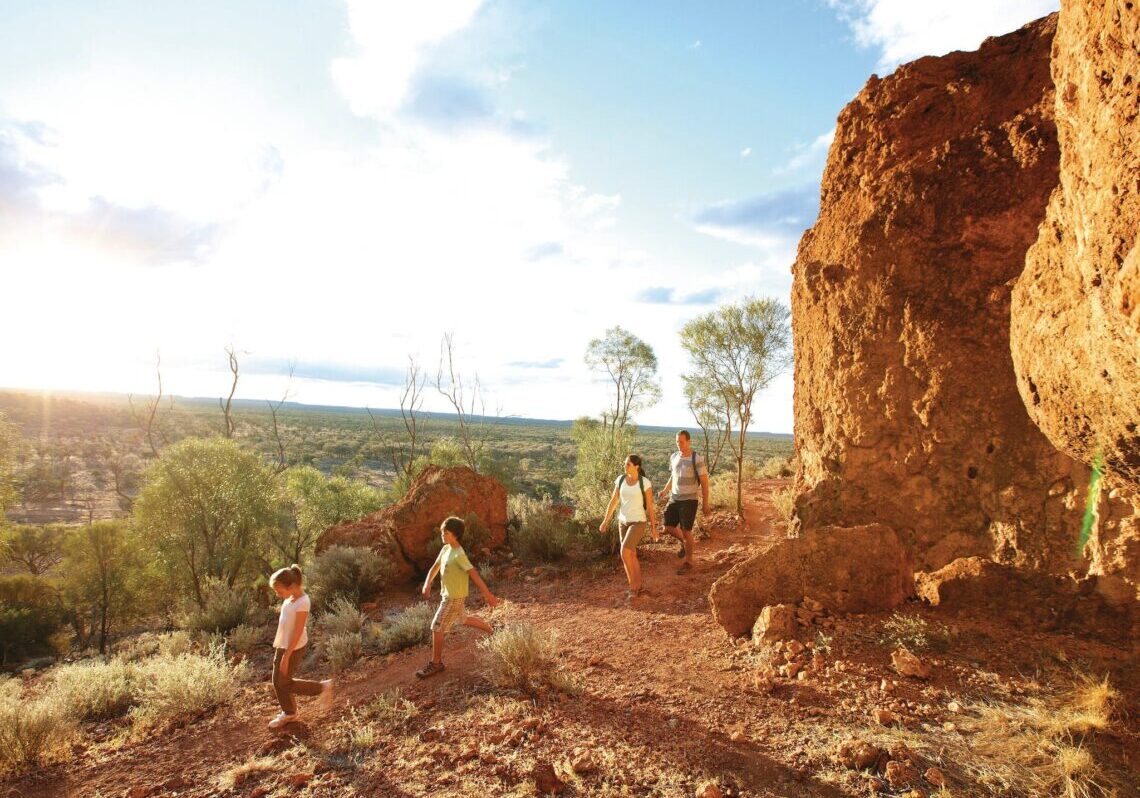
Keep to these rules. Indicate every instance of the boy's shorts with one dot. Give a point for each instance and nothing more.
(631, 533)
(450, 612)
(682, 513)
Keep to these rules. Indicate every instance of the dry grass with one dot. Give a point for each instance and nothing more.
(784, 502)
(250, 770)
(390, 710)
(342, 617)
(244, 639)
(521, 657)
(186, 684)
(411, 627)
(94, 690)
(914, 633)
(343, 650)
(32, 732)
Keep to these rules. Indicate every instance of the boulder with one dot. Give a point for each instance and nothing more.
(408, 532)
(907, 664)
(907, 410)
(846, 569)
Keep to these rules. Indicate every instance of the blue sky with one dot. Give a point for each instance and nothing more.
(337, 183)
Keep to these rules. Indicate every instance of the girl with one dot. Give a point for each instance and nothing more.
(289, 646)
(635, 494)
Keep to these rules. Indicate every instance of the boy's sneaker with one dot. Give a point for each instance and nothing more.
(431, 669)
(282, 719)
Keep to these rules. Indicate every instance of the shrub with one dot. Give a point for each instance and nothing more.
(722, 486)
(94, 690)
(244, 639)
(409, 627)
(169, 644)
(343, 650)
(776, 468)
(914, 633)
(225, 609)
(185, 684)
(521, 657)
(355, 573)
(539, 532)
(342, 617)
(784, 501)
(390, 709)
(30, 616)
(31, 732)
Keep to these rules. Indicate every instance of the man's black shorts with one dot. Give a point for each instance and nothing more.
(682, 513)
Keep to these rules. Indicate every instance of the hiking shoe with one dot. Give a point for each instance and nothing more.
(431, 669)
(681, 551)
(282, 719)
(685, 568)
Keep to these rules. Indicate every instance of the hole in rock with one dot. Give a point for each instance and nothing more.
(971, 472)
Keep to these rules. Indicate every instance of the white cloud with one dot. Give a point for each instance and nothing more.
(808, 155)
(695, 45)
(745, 152)
(391, 39)
(903, 30)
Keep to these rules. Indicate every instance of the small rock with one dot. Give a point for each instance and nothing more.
(875, 784)
(949, 727)
(935, 776)
(469, 754)
(954, 706)
(259, 792)
(584, 764)
(709, 790)
(794, 648)
(299, 779)
(737, 736)
(901, 774)
(801, 676)
(789, 670)
(546, 781)
(907, 664)
(884, 717)
(811, 605)
(857, 755)
(138, 791)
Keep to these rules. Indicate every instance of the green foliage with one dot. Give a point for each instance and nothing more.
(601, 452)
(244, 639)
(343, 650)
(10, 444)
(186, 684)
(32, 731)
(224, 608)
(105, 580)
(311, 503)
(205, 508)
(355, 573)
(30, 548)
(914, 633)
(631, 366)
(30, 614)
(409, 627)
(342, 617)
(538, 531)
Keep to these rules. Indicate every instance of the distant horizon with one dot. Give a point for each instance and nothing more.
(260, 404)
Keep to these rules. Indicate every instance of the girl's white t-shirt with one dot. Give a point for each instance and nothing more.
(288, 619)
(631, 510)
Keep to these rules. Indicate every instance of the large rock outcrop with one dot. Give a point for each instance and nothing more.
(1076, 307)
(408, 532)
(859, 569)
(907, 411)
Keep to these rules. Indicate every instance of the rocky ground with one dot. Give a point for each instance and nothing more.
(665, 704)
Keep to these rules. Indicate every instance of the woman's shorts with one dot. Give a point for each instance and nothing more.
(682, 513)
(450, 612)
(631, 533)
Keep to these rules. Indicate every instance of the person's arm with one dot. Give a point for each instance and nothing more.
(610, 508)
(665, 490)
(430, 578)
(651, 509)
(479, 583)
(705, 493)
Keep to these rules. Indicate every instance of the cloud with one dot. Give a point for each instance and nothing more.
(547, 249)
(903, 30)
(323, 370)
(662, 295)
(658, 295)
(745, 152)
(767, 220)
(812, 155)
(391, 41)
(448, 103)
(553, 363)
(695, 45)
(706, 297)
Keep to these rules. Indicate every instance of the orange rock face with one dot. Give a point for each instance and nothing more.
(408, 531)
(1076, 307)
(906, 401)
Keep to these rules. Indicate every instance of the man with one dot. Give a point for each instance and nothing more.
(688, 477)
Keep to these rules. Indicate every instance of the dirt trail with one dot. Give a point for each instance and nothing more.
(666, 702)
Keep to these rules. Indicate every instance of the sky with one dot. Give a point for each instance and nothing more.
(330, 186)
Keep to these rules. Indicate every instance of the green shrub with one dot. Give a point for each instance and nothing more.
(225, 609)
(168, 644)
(342, 617)
(31, 732)
(30, 616)
(356, 573)
(343, 650)
(244, 639)
(722, 486)
(185, 684)
(521, 657)
(914, 633)
(94, 690)
(776, 468)
(409, 627)
(538, 531)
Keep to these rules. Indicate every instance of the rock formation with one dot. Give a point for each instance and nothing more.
(906, 402)
(1076, 308)
(408, 532)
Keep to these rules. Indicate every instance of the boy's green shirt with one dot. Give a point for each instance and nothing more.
(453, 568)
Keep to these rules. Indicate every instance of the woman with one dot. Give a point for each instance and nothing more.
(634, 493)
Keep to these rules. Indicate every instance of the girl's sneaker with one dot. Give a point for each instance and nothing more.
(281, 720)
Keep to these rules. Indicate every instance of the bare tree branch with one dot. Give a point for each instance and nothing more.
(227, 407)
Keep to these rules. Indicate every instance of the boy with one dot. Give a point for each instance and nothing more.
(454, 569)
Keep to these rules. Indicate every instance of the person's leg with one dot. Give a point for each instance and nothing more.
(301, 686)
(690, 547)
(477, 623)
(631, 536)
(437, 647)
(281, 685)
(688, 516)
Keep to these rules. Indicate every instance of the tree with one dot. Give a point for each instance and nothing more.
(601, 452)
(105, 580)
(740, 349)
(205, 507)
(709, 408)
(466, 398)
(312, 503)
(34, 549)
(632, 368)
(402, 455)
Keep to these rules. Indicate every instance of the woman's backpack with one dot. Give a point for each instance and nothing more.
(640, 487)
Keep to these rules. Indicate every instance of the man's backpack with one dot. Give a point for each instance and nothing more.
(696, 473)
(640, 488)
